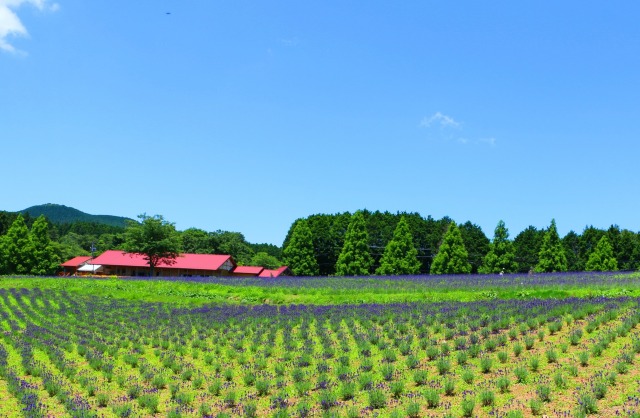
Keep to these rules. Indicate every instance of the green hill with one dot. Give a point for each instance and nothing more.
(60, 214)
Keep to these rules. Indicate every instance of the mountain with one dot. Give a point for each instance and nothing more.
(60, 214)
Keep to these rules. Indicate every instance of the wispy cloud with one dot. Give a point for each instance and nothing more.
(445, 127)
(439, 119)
(10, 23)
(290, 41)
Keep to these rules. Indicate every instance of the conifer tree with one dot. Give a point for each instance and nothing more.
(400, 255)
(45, 259)
(602, 259)
(299, 254)
(501, 255)
(354, 259)
(552, 257)
(17, 248)
(452, 257)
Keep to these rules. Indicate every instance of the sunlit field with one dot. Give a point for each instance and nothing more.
(488, 346)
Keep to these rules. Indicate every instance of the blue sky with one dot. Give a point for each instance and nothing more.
(244, 116)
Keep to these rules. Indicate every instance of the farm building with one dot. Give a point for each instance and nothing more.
(72, 266)
(119, 263)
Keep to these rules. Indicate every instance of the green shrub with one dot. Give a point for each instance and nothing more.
(487, 398)
(432, 397)
(468, 405)
(377, 399)
(503, 384)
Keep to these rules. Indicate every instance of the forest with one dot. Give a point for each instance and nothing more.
(31, 245)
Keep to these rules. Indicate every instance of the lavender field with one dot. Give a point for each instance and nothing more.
(69, 354)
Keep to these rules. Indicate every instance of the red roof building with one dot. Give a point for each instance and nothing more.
(119, 263)
(71, 266)
(247, 271)
(284, 270)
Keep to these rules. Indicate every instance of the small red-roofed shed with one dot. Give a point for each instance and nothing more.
(282, 271)
(71, 266)
(247, 271)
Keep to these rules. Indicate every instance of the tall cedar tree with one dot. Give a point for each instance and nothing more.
(354, 259)
(476, 243)
(452, 257)
(551, 257)
(501, 257)
(602, 259)
(527, 246)
(17, 249)
(155, 239)
(400, 255)
(45, 259)
(299, 254)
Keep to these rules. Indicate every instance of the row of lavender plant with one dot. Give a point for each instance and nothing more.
(94, 356)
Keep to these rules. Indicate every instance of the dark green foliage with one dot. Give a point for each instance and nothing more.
(602, 259)
(551, 257)
(61, 214)
(45, 259)
(476, 243)
(354, 259)
(527, 248)
(265, 260)
(452, 257)
(501, 255)
(154, 238)
(298, 254)
(400, 255)
(16, 249)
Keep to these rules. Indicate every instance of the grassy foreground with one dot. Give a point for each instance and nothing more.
(341, 290)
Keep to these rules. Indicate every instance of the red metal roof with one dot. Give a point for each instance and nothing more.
(76, 261)
(248, 270)
(184, 261)
(273, 273)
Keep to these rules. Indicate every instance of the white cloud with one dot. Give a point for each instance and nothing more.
(490, 141)
(10, 23)
(444, 122)
(290, 41)
(441, 120)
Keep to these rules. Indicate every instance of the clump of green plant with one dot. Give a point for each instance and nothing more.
(486, 363)
(420, 377)
(468, 376)
(468, 405)
(521, 374)
(536, 406)
(347, 390)
(397, 389)
(503, 384)
(432, 397)
(487, 398)
(150, 402)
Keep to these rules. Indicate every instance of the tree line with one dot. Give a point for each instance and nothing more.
(383, 243)
(37, 246)
(362, 243)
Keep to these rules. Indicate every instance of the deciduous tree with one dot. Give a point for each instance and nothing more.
(452, 257)
(154, 238)
(400, 255)
(265, 260)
